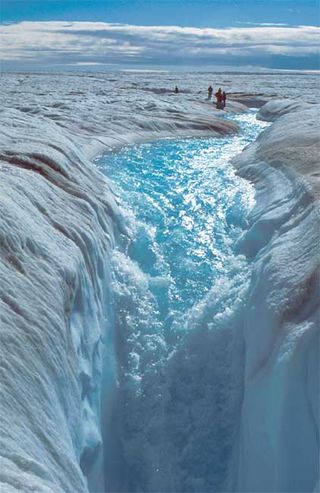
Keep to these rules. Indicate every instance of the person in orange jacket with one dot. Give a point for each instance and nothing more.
(219, 97)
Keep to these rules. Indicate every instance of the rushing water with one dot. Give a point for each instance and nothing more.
(178, 286)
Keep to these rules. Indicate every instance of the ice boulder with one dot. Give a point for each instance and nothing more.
(278, 107)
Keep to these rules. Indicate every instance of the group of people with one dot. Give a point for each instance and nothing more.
(221, 97)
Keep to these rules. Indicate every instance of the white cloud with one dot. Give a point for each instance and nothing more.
(270, 24)
(102, 43)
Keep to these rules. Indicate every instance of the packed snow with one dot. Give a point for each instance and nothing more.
(60, 221)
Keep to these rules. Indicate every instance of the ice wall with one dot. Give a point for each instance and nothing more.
(56, 224)
(279, 433)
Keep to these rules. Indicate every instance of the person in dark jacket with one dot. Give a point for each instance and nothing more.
(210, 91)
(224, 98)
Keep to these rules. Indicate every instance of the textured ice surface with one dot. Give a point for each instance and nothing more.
(59, 222)
(278, 107)
(56, 228)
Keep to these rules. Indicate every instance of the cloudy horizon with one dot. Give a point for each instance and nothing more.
(34, 45)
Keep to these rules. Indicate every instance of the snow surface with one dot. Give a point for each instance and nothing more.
(59, 222)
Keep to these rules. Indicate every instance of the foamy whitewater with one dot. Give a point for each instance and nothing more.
(159, 322)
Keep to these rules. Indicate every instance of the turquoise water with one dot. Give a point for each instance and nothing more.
(189, 207)
(177, 283)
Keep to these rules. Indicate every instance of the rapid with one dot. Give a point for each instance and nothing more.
(178, 287)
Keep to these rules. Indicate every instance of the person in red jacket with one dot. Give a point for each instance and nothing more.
(219, 97)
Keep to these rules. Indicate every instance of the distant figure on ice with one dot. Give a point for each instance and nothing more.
(176, 89)
(219, 97)
(224, 98)
(210, 91)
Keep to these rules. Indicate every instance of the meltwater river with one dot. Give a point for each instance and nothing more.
(179, 288)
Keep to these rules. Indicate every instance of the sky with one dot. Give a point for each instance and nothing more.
(111, 34)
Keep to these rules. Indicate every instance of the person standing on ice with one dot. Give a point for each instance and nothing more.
(210, 91)
(224, 98)
(219, 103)
(176, 89)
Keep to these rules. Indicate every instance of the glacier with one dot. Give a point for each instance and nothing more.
(60, 221)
